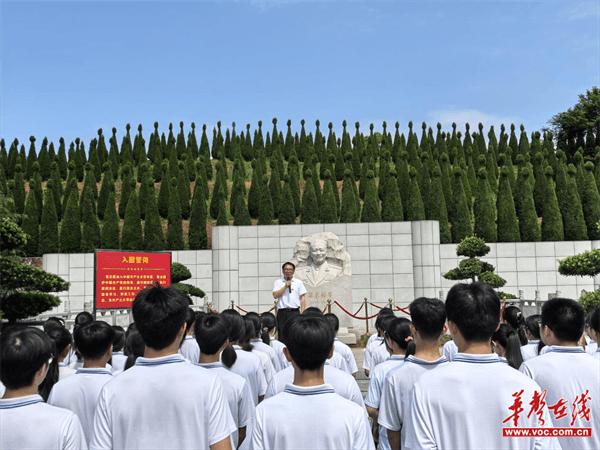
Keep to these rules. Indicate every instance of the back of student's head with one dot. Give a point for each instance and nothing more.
(83, 318)
(200, 315)
(61, 338)
(23, 351)
(268, 323)
(508, 338)
(255, 318)
(532, 323)
(309, 341)
(230, 321)
(595, 320)
(333, 321)
(159, 314)
(565, 317)
(428, 316)
(513, 316)
(385, 311)
(211, 332)
(247, 334)
(94, 339)
(398, 331)
(53, 322)
(312, 311)
(235, 324)
(134, 347)
(119, 338)
(475, 310)
(190, 317)
(381, 321)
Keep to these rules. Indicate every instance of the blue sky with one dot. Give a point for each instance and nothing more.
(68, 68)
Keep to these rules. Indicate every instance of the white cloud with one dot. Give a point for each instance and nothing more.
(470, 116)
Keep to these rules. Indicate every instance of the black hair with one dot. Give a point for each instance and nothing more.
(288, 263)
(53, 322)
(532, 323)
(475, 309)
(398, 330)
(382, 323)
(61, 338)
(309, 341)
(595, 320)
(134, 347)
(508, 338)
(23, 351)
(268, 323)
(248, 333)
(333, 321)
(513, 316)
(200, 315)
(190, 318)
(83, 318)
(385, 311)
(255, 318)
(312, 311)
(235, 324)
(94, 339)
(119, 338)
(428, 316)
(565, 317)
(159, 314)
(211, 332)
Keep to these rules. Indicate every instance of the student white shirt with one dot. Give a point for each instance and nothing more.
(449, 350)
(238, 396)
(376, 380)
(596, 355)
(397, 388)
(567, 373)
(163, 402)
(530, 350)
(377, 354)
(190, 349)
(118, 361)
(463, 404)
(591, 347)
(249, 366)
(2, 389)
(266, 364)
(79, 394)
(64, 371)
(260, 346)
(338, 362)
(289, 299)
(373, 341)
(346, 352)
(342, 383)
(278, 347)
(28, 423)
(315, 417)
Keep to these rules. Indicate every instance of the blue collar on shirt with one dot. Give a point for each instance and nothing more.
(396, 358)
(478, 359)
(94, 370)
(534, 342)
(117, 353)
(214, 365)
(422, 362)
(562, 349)
(17, 402)
(311, 390)
(169, 359)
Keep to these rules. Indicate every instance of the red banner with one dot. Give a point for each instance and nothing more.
(119, 276)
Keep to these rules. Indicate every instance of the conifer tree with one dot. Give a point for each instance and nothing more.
(90, 228)
(110, 236)
(89, 182)
(560, 177)
(70, 227)
(107, 186)
(573, 218)
(391, 205)
(31, 226)
(197, 236)
(439, 210)
(174, 230)
(127, 186)
(154, 238)
(275, 189)
(265, 206)
(241, 216)
(183, 185)
(350, 204)
(61, 159)
(31, 158)
(370, 209)
(528, 222)
(484, 209)
(57, 188)
(19, 190)
(294, 177)
(552, 225)
(328, 210)
(35, 185)
(539, 187)
(415, 209)
(145, 187)
(132, 237)
(164, 197)
(254, 192)
(508, 224)
(49, 241)
(222, 218)
(462, 225)
(287, 212)
(590, 201)
(310, 207)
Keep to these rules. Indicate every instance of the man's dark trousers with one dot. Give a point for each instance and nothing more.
(284, 315)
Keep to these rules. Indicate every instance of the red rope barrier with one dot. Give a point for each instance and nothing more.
(404, 310)
(241, 309)
(353, 315)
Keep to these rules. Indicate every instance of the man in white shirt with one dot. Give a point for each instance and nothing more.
(189, 347)
(569, 376)
(163, 401)
(309, 414)
(80, 392)
(468, 403)
(290, 294)
(26, 422)
(428, 317)
(339, 346)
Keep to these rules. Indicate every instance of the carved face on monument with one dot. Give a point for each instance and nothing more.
(318, 251)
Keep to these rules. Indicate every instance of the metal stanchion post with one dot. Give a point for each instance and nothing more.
(328, 306)
(367, 314)
(232, 304)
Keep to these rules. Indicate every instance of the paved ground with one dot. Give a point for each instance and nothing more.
(363, 381)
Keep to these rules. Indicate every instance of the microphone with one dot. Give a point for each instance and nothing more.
(290, 286)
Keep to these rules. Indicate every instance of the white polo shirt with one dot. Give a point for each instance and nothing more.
(80, 393)
(249, 366)
(338, 362)
(373, 341)
(65, 371)
(376, 379)
(28, 423)
(278, 347)
(377, 353)
(591, 347)
(346, 352)
(530, 350)
(266, 364)
(260, 346)
(190, 349)
(343, 384)
(238, 396)
(289, 299)
(463, 404)
(315, 418)
(162, 402)
(449, 350)
(596, 354)
(397, 387)
(566, 373)
(118, 361)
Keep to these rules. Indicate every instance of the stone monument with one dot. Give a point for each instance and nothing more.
(325, 267)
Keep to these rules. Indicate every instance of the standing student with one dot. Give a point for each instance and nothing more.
(534, 344)
(26, 422)
(80, 392)
(257, 340)
(134, 347)
(566, 372)
(269, 330)
(189, 347)
(163, 401)
(377, 352)
(211, 333)
(594, 330)
(246, 344)
(63, 342)
(506, 344)
(513, 316)
(118, 359)
(449, 350)
(339, 346)
(335, 359)
(463, 405)
(428, 318)
(309, 414)
(74, 360)
(290, 293)
(591, 341)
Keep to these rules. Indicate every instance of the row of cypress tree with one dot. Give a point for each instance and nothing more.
(470, 184)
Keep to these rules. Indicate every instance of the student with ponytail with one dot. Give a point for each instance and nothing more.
(398, 340)
(247, 344)
(513, 316)
(259, 344)
(534, 343)
(507, 345)
(269, 330)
